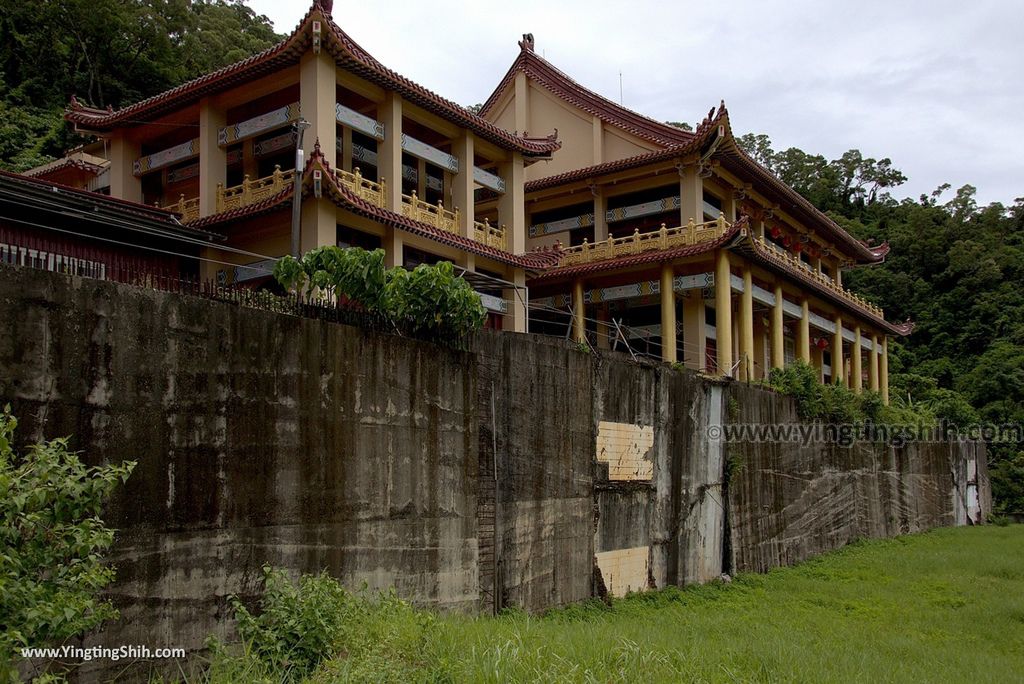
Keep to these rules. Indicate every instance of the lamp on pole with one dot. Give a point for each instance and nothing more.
(300, 126)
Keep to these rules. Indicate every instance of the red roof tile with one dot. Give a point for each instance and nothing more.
(649, 257)
(563, 86)
(346, 52)
(766, 256)
(728, 150)
(340, 195)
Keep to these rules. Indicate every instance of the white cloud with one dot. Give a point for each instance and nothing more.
(935, 86)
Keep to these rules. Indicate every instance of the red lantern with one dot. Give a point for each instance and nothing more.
(775, 232)
(787, 242)
(821, 343)
(798, 247)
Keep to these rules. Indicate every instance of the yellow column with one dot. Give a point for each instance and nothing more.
(123, 182)
(394, 248)
(600, 216)
(579, 326)
(668, 315)
(723, 313)
(839, 272)
(213, 159)
(873, 365)
(522, 103)
(691, 195)
(512, 204)
(855, 362)
(803, 337)
(837, 352)
(346, 149)
(516, 298)
(883, 373)
(758, 366)
(317, 98)
(604, 328)
(778, 323)
(747, 327)
(389, 151)
(694, 331)
(598, 135)
(462, 186)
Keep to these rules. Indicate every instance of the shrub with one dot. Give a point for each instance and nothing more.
(51, 542)
(301, 625)
(429, 299)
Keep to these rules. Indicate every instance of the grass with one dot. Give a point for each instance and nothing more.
(944, 606)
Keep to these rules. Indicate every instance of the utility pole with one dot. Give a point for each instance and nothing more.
(300, 126)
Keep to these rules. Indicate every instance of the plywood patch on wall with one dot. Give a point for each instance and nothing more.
(625, 570)
(625, 447)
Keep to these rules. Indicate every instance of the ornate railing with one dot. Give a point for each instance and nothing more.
(371, 191)
(662, 239)
(188, 208)
(818, 276)
(431, 214)
(490, 235)
(252, 191)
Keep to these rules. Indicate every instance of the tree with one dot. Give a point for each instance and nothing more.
(107, 52)
(51, 542)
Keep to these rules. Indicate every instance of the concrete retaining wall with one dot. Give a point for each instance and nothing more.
(520, 473)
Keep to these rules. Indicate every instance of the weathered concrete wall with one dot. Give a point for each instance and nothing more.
(259, 439)
(520, 473)
(790, 501)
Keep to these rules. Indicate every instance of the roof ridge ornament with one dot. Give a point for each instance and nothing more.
(527, 43)
(326, 6)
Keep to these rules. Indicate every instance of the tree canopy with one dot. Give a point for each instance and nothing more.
(954, 268)
(106, 52)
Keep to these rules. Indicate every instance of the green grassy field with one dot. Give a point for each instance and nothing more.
(946, 606)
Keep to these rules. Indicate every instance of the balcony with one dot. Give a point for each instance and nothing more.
(489, 235)
(363, 188)
(431, 214)
(796, 263)
(188, 208)
(253, 191)
(658, 240)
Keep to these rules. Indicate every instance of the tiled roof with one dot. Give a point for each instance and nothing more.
(341, 196)
(61, 164)
(346, 52)
(649, 257)
(101, 205)
(737, 238)
(563, 86)
(728, 150)
(766, 256)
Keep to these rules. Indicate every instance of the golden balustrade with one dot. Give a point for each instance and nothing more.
(487, 234)
(664, 238)
(431, 214)
(821, 278)
(188, 208)
(253, 191)
(371, 191)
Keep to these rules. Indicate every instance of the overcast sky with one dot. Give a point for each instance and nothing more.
(936, 86)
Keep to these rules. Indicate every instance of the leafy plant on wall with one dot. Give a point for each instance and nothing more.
(428, 299)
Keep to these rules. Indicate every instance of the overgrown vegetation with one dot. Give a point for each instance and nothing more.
(52, 541)
(107, 52)
(941, 606)
(955, 269)
(428, 299)
(300, 625)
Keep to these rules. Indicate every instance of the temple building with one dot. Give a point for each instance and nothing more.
(569, 213)
(679, 243)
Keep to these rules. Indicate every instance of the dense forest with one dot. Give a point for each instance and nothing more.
(106, 52)
(955, 267)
